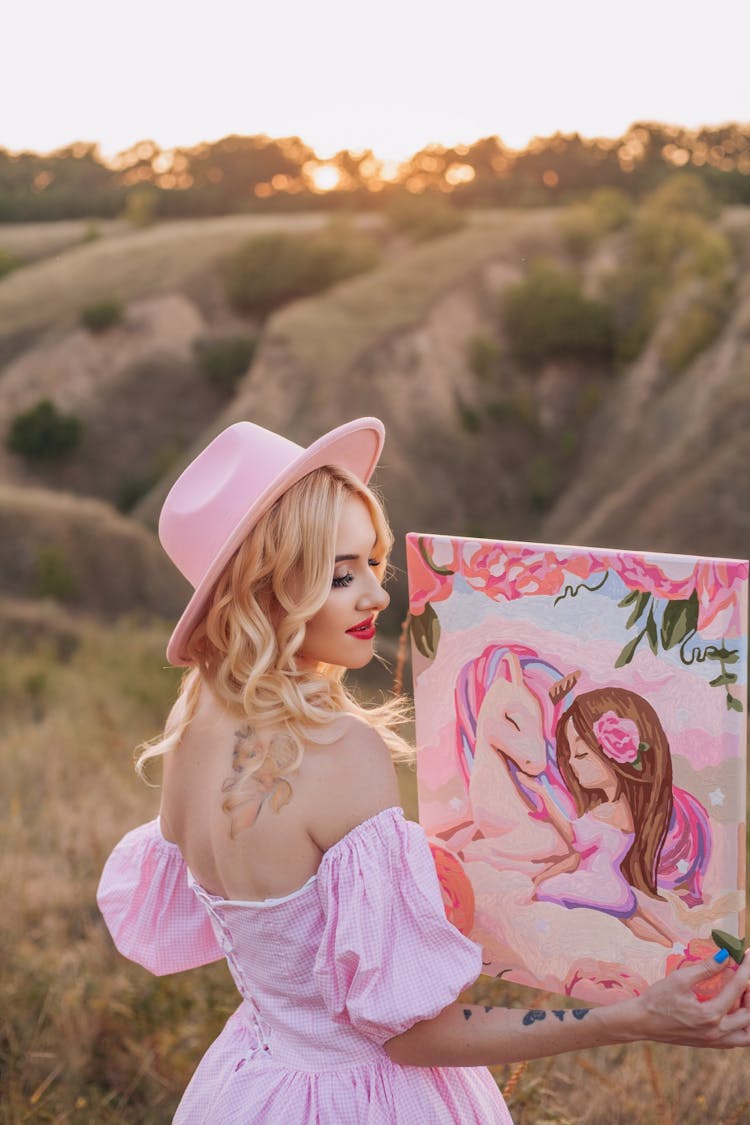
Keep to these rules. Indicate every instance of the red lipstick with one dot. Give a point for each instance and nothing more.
(365, 630)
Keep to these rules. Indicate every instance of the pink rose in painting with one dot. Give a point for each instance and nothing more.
(512, 572)
(431, 569)
(648, 578)
(717, 585)
(602, 982)
(585, 564)
(455, 887)
(618, 737)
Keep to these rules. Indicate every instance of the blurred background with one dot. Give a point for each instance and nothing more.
(520, 237)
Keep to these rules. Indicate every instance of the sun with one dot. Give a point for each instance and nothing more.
(325, 177)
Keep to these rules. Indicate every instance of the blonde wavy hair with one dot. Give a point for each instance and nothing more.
(246, 646)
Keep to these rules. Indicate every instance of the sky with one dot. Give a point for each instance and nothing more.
(391, 76)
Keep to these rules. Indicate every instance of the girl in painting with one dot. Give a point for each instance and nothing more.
(614, 757)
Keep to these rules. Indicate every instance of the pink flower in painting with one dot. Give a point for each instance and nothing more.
(512, 572)
(432, 565)
(602, 982)
(618, 737)
(648, 578)
(717, 585)
(585, 564)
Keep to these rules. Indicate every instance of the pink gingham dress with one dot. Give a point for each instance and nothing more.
(327, 975)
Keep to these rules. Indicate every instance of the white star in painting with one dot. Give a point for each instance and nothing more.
(683, 866)
(716, 797)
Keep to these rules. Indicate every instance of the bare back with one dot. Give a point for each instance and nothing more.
(280, 851)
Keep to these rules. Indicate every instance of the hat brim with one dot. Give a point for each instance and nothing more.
(355, 446)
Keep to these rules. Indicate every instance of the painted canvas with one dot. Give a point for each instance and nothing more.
(581, 732)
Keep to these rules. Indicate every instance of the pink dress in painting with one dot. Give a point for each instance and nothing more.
(597, 882)
(327, 975)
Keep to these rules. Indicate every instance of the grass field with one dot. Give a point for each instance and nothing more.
(126, 264)
(86, 1037)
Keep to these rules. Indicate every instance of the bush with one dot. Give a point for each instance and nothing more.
(131, 490)
(468, 416)
(695, 330)
(424, 216)
(8, 262)
(584, 224)
(484, 356)
(43, 433)
(141, 206)
(53, 577)
(612, 209)
(102, 314)
(223, 361)
(541, 483)
(277, 267)
(548, 315)
(671, 242)
(683, 192)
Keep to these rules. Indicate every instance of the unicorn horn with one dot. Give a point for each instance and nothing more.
(561, 687)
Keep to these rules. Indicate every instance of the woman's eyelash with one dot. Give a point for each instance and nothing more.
(346, 579)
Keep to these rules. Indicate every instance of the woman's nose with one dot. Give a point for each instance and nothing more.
(375, 597)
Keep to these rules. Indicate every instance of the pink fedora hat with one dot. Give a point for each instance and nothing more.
(215, 502)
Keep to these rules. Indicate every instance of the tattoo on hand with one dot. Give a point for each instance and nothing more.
(535, 1014)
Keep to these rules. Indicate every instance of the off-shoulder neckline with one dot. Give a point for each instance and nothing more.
(276, 901)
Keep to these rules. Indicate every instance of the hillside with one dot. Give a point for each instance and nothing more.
(573, 448)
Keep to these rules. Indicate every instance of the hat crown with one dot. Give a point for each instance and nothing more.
(210, 497)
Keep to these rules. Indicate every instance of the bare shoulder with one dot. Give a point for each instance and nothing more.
(351, 780)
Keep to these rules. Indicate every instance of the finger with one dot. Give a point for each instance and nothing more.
(732, 991)
(735, 1021)
(694, 973)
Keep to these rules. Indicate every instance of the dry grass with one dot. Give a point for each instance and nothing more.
(32, 241)
(327, 334)
(87, 1037)
(128, 264)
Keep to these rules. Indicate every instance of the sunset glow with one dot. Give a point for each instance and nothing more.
(342, 77)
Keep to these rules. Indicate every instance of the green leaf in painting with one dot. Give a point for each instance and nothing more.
(680, 618)
(425, 629)
(444, 570)
(651, 632)
(733, 704)
(729, 657)
(628, 652)
(734, 946)
(724, 679)
(640, 604)
(629, 598)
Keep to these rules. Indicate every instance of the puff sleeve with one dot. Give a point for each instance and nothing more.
(388, 955)
(150, 910)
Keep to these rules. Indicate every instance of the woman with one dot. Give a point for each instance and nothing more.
(281, 845)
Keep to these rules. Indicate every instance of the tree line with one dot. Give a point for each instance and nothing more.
(260, 173)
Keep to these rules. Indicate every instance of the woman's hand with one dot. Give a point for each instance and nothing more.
(672, 1013)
